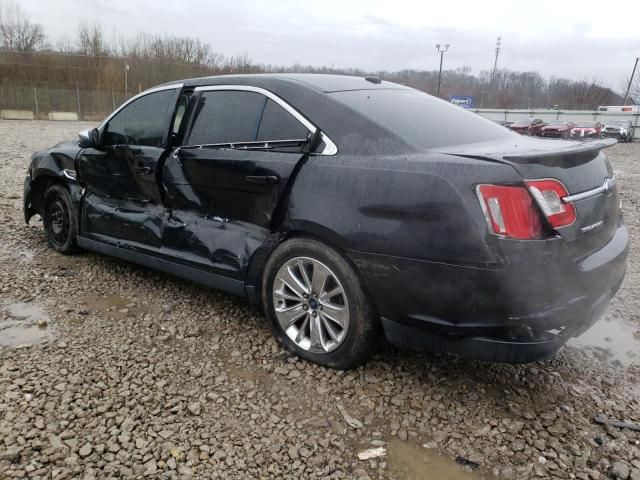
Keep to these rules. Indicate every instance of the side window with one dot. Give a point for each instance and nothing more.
(278, 124)
(143, 122)
(227, 117)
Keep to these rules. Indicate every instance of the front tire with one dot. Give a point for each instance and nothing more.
(316, 305)
(59, 224)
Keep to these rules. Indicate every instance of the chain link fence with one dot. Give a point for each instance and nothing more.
(549, 115)
(94, 105)
(91, 105)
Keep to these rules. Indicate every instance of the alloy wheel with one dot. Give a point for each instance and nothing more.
(311, 305)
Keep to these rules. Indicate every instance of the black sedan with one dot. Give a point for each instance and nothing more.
(348, 208)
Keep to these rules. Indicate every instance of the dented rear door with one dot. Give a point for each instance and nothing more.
(223, 187)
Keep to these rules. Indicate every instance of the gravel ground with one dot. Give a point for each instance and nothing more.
(109, 370)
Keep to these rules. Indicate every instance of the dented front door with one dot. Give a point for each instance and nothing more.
(122, 204)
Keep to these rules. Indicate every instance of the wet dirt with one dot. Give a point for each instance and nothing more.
(25, 324)
(611, 340)
(413, 462)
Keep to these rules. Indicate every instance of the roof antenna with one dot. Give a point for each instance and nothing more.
(375, 80)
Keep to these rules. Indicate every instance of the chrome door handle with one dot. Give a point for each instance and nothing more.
(143, 170)
(262, 179)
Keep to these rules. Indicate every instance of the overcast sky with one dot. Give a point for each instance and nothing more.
(592, 39)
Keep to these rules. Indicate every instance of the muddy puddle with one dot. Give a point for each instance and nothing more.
(611, 340)
(413, 462)
(24, 324)
(21, 256)
(115, 307)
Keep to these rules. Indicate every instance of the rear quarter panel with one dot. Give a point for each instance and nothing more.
(414, 206)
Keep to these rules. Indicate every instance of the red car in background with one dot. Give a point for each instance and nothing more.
(528, 126)
(586, 130)
(557, 129)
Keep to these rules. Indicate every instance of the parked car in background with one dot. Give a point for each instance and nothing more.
(347, 208)
(557, 129)
(503, 123)
(586, 130)
(623, 130)
(528, 126)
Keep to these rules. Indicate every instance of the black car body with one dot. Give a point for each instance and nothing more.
(488, 244)
(623, 130)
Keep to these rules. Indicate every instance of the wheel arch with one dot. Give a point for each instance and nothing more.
(288, 231)
(34, 203)
(35, 198)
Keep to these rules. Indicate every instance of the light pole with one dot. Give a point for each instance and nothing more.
(495, 64)
(126, 80)
(441, 51)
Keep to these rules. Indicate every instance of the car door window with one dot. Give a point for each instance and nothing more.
(278, 124)
(143, 122)
(227, 117)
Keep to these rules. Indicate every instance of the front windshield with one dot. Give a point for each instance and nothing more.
(586, 124)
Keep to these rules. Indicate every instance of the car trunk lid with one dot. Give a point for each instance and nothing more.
(583, 169)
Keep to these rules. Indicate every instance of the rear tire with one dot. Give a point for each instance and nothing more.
(59, 224)
(316, 305)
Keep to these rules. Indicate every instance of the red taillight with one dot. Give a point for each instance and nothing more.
(548, 195)
(510, 211)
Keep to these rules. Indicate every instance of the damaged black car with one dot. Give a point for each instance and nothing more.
(350, 209)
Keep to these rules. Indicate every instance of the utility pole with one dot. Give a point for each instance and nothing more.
(626, 95)
(441, 51)
(495, 63)
(481, 99)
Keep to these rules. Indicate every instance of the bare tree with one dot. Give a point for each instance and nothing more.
(634, 89)
(18, 32)
(91, 40)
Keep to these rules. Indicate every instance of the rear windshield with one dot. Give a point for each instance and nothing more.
(523, 121)
(420, 119)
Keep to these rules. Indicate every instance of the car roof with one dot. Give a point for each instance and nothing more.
(320, 82)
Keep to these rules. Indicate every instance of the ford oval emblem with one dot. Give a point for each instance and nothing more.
(609, 185)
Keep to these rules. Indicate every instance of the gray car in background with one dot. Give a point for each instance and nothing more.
(623, 130)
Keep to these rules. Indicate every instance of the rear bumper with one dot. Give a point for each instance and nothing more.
(552, 133)
(541, 346)
(523, 311)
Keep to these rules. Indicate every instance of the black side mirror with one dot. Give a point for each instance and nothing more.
(89, 138)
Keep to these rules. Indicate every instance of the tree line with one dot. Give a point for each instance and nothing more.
(91, 62)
